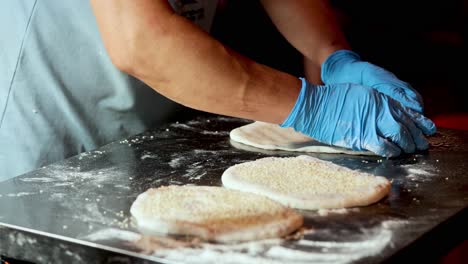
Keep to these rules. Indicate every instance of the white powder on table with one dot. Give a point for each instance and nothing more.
(38, 180)
(148, 156)
(369, 242)
(199, 130)
(112, 234)
(19, 194)
(418, 171)
(326, 212)
(176, 162)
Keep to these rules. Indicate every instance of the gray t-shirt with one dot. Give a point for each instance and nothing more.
(59, 92)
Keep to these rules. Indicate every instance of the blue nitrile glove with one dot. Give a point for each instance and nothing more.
(358, 117)
(345, 66)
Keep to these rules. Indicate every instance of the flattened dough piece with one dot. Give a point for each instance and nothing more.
(306, 183)
(273, 137)
(212, 213)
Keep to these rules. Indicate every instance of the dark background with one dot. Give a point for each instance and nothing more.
(423, 43)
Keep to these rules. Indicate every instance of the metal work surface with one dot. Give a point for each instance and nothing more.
(79, 208)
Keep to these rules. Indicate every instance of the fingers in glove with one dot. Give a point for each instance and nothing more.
(418, 137)
(404, 95)
(425, 124)
(382, 147)
(397, 133)
(411, 96)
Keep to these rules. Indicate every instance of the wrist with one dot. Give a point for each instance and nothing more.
(296, 114)
(329, 50)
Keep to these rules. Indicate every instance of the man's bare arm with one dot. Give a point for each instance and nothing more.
(311, 27)
(176, 58)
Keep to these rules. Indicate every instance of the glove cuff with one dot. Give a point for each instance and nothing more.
(298, 106)
(334, 64)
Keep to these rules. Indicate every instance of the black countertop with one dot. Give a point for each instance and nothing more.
(77, 210)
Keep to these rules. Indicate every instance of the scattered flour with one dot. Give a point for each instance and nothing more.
(392, 224)
(176, 162)
(112, 234)
(419, 169)
(37, 180)
(369, 242)
(247, 252)
(196, 172)
(228, 119)
(193, 122)
(148, 156)
(92, 214)
(204, 151)
(122, 186)
(199, 130)
(63, 184)
(76, 256)
(19, 194)
(65, 175)
(218, 133)
(419, 172)
(21, 239)
(57, 196)
(326, 212)
(184, 126)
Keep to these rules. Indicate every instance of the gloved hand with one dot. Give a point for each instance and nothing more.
(345, 66)
(358, 117)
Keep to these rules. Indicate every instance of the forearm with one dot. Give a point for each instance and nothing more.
(183, 63)
(309, 25)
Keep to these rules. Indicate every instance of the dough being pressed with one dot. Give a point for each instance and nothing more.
(306, 183)
(212, 213)
(273, 137)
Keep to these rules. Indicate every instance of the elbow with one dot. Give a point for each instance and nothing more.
(130, 52)
(129, 30)
(121, 59)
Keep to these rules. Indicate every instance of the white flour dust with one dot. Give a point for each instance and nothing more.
(194, 122)
(57, 196)
(176, 162)
(392, 224)
(217, 133)
(148, 156)
(122, 186)
(206, 152)
(419, 172)
(195, 172)
(20, 194)
(184, 126)
(92, 214)
(228, 119)
(112, 234)
(369, 242)
(199, 130)
(21, 239)
(38, 180)
(65, 175)
(326, 212)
